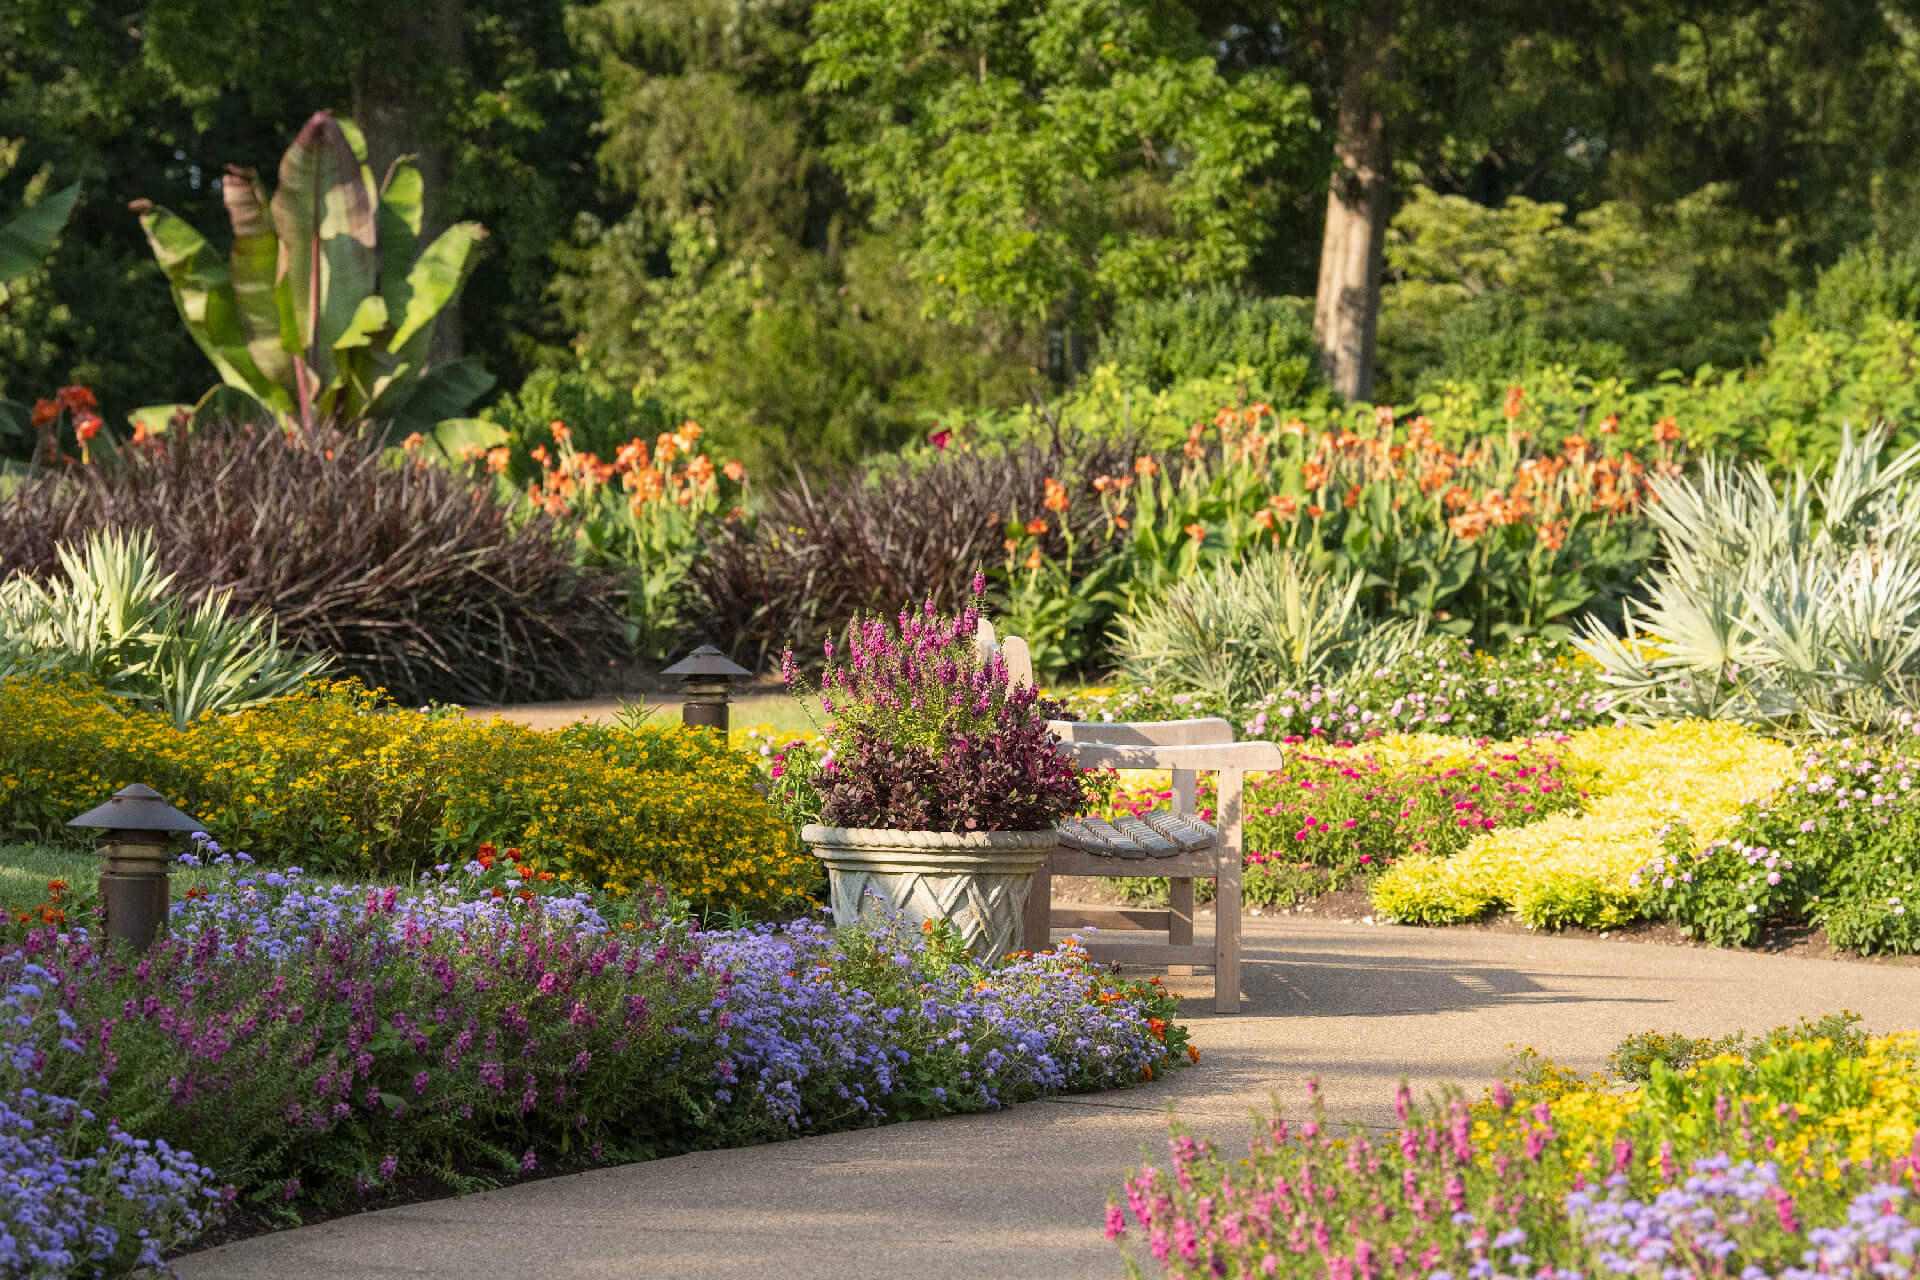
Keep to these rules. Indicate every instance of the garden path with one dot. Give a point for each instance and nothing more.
(1021, 1193)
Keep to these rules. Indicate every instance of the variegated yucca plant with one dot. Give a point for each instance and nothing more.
(1795, 608)
(324, 306)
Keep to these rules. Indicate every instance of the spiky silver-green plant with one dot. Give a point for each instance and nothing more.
(1796, 608)
(112, 620)
(1245, 629)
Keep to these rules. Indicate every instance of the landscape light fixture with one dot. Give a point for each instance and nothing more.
(705, 675)
(134, 888)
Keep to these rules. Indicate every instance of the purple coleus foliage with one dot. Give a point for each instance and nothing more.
(932, 735)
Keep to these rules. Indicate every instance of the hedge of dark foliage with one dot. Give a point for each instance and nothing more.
(413, 578)
(821, 551)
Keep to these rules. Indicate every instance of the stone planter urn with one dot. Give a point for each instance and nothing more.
(976, 880)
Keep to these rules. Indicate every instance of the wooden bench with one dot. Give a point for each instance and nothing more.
(1171, 842)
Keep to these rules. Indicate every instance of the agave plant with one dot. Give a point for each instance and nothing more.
(1796, 608)
(112, 620)
(1241, 630)
(323, 308)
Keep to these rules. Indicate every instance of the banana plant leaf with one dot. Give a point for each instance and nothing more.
(203, 293)
(407, 405)
(266, 318)
(27, 239)
(430, 284)
(323, 213)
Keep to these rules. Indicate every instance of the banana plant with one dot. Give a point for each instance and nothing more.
(324, 306)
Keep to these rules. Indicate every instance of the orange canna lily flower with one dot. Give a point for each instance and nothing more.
(1197, 532)
(1036, 525)
(1056, 499)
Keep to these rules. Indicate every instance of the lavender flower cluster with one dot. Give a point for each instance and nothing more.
(872, 1023)
(1729, 1218)
(1443, 687)
(316, 1044)
(67, 1211)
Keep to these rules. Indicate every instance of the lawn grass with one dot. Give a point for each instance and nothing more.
(26, 868)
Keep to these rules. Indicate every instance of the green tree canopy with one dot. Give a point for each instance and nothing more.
(1051, 157)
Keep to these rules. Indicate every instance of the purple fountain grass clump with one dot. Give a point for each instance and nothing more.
(929, 735)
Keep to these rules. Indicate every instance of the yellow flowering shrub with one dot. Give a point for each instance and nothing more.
(1808, 1103)
(338, 783)
(1576, 868)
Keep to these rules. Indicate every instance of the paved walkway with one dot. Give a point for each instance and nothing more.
(1020, 1195)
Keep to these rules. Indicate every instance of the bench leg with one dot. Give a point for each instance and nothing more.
(1036, 922)
(1226, 940)
(1180, 921)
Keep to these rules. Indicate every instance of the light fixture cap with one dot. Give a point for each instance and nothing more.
(706, 661)
(138, 808)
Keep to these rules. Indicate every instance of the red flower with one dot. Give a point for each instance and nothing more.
(44, 413)
(77, 399)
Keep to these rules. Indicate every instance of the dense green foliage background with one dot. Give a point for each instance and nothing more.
(819, 227)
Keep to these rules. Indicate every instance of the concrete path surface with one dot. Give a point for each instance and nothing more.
(1020, 1195)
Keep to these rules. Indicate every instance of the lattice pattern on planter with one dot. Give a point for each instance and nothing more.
(985, 910)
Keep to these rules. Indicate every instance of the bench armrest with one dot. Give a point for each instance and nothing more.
(1144, 733)
(1204, 757)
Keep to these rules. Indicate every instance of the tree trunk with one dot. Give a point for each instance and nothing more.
(396, 107)
(1346, 308)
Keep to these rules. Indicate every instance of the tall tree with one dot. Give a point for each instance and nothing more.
(1346, 306)
(1053, 157)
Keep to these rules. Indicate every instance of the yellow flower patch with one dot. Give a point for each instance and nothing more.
(338, 783)
(1576, 868)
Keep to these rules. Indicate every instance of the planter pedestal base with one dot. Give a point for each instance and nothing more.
(977, 881)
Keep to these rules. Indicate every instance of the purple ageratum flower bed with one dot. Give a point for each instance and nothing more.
(319, 1047)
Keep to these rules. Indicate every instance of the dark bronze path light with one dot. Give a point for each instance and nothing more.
(705, 675)
(134, 888)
